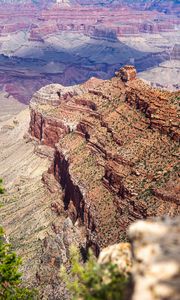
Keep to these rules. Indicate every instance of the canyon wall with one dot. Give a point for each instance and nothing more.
(121, 19)
(68, 43)
(116, 158)
(94, 162)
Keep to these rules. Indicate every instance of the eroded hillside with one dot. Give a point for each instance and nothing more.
(98, 156)
(116, 151)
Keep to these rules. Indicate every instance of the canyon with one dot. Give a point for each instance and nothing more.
(68, 43)
(91, 159)
(89, 130)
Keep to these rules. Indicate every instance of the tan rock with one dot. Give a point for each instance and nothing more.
(156, 260)
(127, 73)
(119, 254)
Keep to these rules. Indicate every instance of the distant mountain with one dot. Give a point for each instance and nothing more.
(161, 5)
(165, 6)
(38, 2)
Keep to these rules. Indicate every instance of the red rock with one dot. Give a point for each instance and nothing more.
(111, 138)
(127, 73)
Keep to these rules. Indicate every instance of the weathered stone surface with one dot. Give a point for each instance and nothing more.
(156, 259)
(91, 167)
(48, 52)
(152, 259)
(127, 73)
(114, 158)
(118, 254)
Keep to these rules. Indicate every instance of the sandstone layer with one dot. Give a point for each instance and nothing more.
(98, 156)
(35, 222)
(116, 152)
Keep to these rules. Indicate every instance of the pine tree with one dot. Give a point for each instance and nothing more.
(93, 281)
(10, 277)
(1, 187)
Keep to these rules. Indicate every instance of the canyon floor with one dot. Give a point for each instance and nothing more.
(69, 45)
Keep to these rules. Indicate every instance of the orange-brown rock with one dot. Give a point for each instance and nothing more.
(116, 153)
(160, 107)
(127, 73)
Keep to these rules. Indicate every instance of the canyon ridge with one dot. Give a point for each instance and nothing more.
(92, 159)
(89, 131)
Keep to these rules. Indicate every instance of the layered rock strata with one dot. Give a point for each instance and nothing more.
(90, 166)
(32, 212)
(116, 152)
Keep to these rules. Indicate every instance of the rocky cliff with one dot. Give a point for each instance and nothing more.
(98, 156)
(115, 152)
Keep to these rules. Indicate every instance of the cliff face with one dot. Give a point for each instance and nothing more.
(116, 152)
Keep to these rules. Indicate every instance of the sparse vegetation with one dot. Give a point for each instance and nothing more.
(1, 187)
(93, 281)
(10, 277)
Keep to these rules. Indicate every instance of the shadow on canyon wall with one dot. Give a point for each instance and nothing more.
(22, 76)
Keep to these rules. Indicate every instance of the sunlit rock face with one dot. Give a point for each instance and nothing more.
(127, 73)
(97, 157)
(118, 254)
(100, 131)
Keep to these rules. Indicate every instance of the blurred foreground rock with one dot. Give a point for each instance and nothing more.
(153, 260)
(119, 254)
(156, 260)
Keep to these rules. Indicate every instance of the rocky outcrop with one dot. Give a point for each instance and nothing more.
(47, 130)
(102, 33)
(115, 155)
(175, 54)
(50, 130)
(90, 166)
(161, 113)
(127, 73)
(152, 258)
(118, 254)
(156, 261)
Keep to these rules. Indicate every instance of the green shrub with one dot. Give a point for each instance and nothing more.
(1, 187)
(10, 277)
(93, 281)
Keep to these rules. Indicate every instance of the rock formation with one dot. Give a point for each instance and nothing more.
(156, 258)
(127, 73)
(175, 54)
(98, 156)
(116, 144)
(152, 259)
